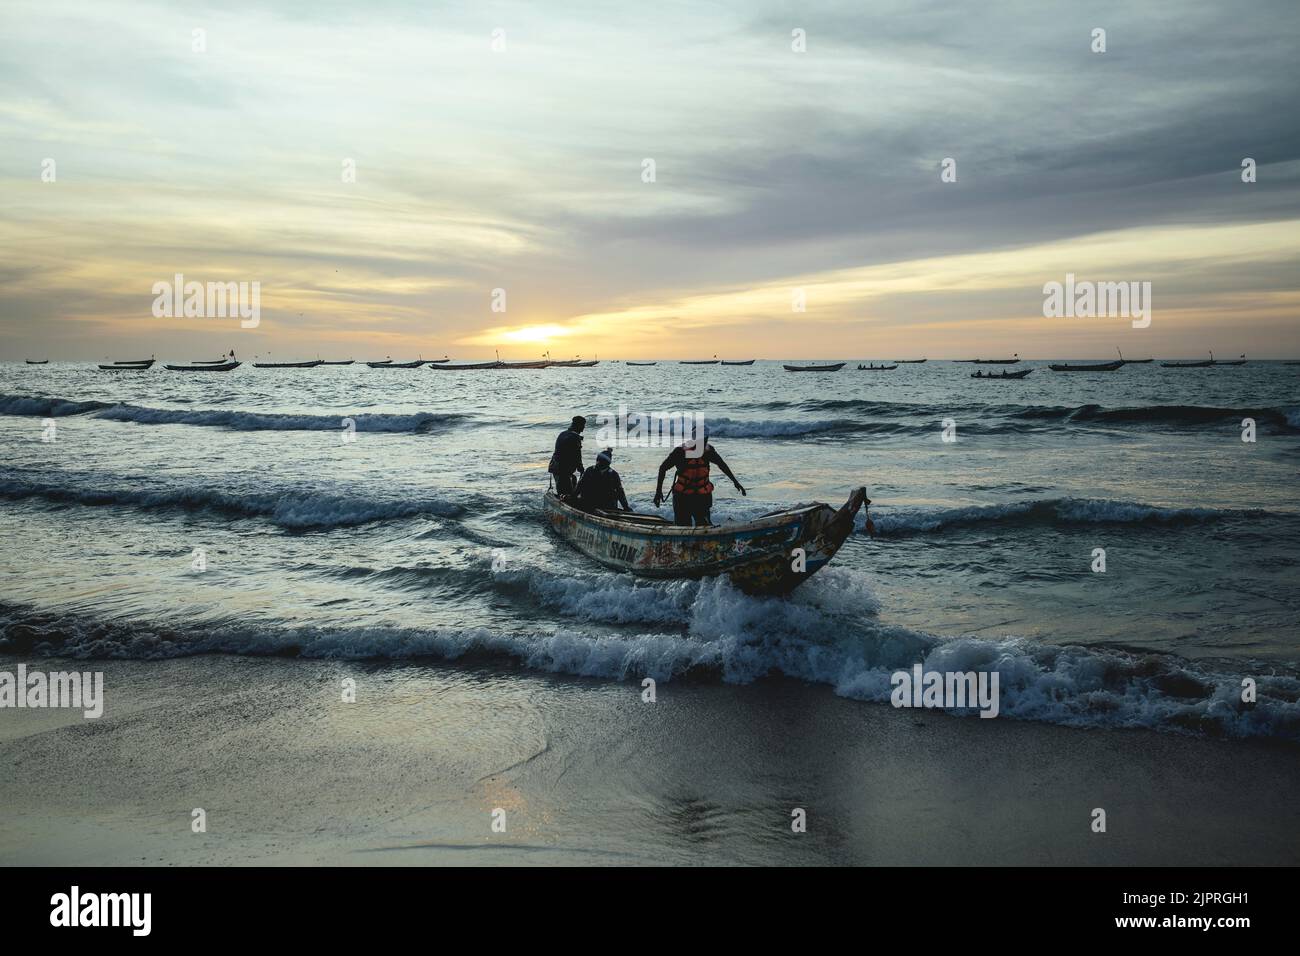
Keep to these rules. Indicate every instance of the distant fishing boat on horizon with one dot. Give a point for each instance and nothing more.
(1091, 366)
(389, 363)
(1204, 364)
(226, 367)
(814, 368)
(129, 365)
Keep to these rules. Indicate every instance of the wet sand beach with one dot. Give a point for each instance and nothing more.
(588, 773)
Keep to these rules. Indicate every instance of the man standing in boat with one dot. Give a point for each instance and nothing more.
(600, 488)
(692, 490)
(567, 458)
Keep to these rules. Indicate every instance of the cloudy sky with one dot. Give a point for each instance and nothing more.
(522, 168)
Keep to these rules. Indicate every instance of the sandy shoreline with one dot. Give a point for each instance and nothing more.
(588, 773)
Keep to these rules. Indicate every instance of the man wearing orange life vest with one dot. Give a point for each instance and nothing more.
(692, 491)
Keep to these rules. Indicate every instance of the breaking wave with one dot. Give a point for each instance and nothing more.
(417, 423)
(823, 638)
(1048, 511)
(297, 510)
(1285, 417)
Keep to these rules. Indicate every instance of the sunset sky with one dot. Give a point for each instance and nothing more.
(522, 169)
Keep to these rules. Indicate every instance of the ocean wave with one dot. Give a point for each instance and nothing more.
(46, 407)
(1175, 415)
(737, 639)
(417, 423)
(740, 428)
(296, 510)
(897, 522)
(1284, 417)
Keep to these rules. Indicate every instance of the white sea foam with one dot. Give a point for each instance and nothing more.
(1070, 685)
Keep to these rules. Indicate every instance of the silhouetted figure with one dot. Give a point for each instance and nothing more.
(600, 488)
(692, 490)
(567, 458)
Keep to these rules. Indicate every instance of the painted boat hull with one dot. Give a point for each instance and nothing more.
(747, 362)
(757, 556)
(813, 368)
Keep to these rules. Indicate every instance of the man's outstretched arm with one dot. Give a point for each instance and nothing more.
(668, 462)
(722, 465)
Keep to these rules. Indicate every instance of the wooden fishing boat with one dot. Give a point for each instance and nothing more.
(344, 362)
(311, 364)
(38, 361)
(712, 361)
(138, 366)
(389, 363)
(758, 556)
(227, 367)
(814, 368)
(641, 363)
(464, 367)
(1205, 364)
(515, 365)
(746, 362)
(876, 368)
(1146, 361)
(221, 361)
(1011, 361)
(1096, 367)
(1021, 374)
